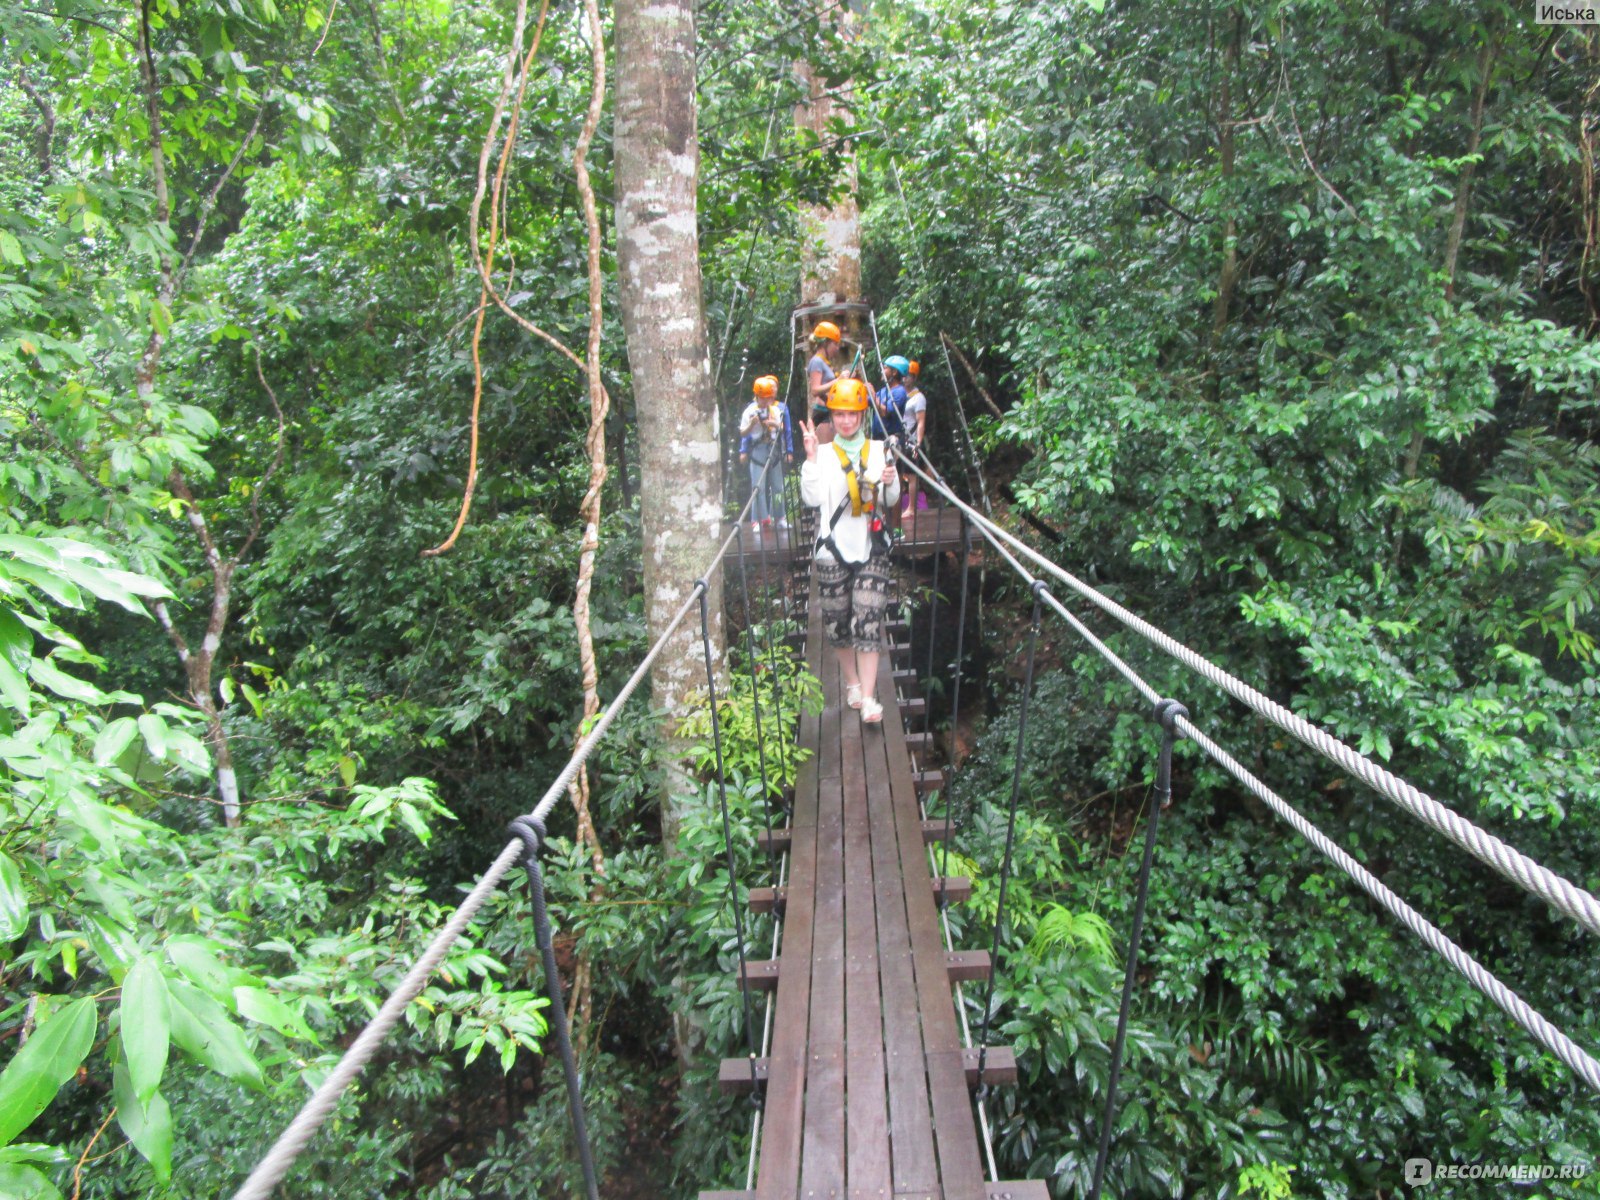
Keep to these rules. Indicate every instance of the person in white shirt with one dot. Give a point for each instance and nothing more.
(852, 481)
(764, 433)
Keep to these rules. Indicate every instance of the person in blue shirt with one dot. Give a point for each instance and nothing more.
(888, 413)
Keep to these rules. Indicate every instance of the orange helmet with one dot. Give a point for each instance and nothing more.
(848, 395)
(766, 387)
(826, 331)
(915, 368)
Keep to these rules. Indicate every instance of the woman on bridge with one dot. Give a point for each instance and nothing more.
(851, 481)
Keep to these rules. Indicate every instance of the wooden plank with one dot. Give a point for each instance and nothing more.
(955, 1133)
(783, 1125)
(761, 975)
(1017, 1189)
(729, 1196)
(768, 899)
(918, 743)
(913, 1159)
(967, 966)
(733, 1074)
(999, 1067)
(782, 836)
(931, 781)
(933, 831)
(822, 1148)
(913, 707)
(867, 1165)
(957, 889)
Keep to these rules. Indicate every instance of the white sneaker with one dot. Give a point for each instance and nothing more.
(852, 695)
(755, 527)
(871, 712)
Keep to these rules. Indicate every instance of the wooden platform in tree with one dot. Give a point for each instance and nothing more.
(867, 1082)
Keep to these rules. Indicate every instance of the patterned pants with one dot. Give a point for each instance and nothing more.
(853, 601)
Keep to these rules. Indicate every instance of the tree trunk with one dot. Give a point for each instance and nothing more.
(830, 235)
(658, 258)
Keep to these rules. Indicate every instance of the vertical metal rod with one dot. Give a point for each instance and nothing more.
(1011, 834)
(1166, 715)
(532, 834)
(755, 687)
(933, 629)
(704, 587)
(955, 699)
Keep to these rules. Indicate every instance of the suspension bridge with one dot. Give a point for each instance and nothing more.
(870, 1065)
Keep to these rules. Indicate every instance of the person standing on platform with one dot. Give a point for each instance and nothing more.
(851, 480)
(916, 422)
(822, 370)
(764, 432)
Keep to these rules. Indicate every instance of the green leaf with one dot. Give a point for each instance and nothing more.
(16, 643)
(194, 957)
(11, 249)
(13, 901)
(263, 1007)
(146, 1026)
(205, 1031)
(14, 688)
(147, 1122)
(62, 591)
(69, 687)
(113, 740)
(154, 730)
(18, 1182)
(48, 1059)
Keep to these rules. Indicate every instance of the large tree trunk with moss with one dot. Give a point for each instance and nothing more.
(658, 256)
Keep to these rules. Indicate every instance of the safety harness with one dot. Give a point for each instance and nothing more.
(862, 498)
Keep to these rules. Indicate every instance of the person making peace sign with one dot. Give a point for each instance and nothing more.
(852, 481)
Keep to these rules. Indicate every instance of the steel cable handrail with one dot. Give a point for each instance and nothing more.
(298, 1134)
(1576, 902)
(1584, 1065)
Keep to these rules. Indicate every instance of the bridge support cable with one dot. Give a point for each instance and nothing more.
(1166, 714)
(1582, 1064)
(1011, 837)
(755, 696)
(532, 835)
(727, 833)
(955, 700)
(298, 1133)
(1560, 893)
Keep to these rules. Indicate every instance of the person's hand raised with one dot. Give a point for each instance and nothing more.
(808, 435)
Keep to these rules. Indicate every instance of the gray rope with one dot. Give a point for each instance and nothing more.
(1582, 906)
(1514, 1006)
(294, 1139)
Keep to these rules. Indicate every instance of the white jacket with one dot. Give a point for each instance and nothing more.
(823, 486)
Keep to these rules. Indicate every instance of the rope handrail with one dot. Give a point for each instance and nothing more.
(1562, 894)
(1584, 1065)
(299, 1132)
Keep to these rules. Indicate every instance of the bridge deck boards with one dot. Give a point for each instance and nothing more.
(867, 1092)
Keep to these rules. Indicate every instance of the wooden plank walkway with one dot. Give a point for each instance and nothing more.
(867, 1083)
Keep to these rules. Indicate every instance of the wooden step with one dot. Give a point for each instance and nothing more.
(1015, 1189)
(919, 743)
(762, 974)
(933, 831)
(963, 966)
(931, 781)
(763, 900)
(782, 838)
(999, 1070)
(913, 706)
(907, 683)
